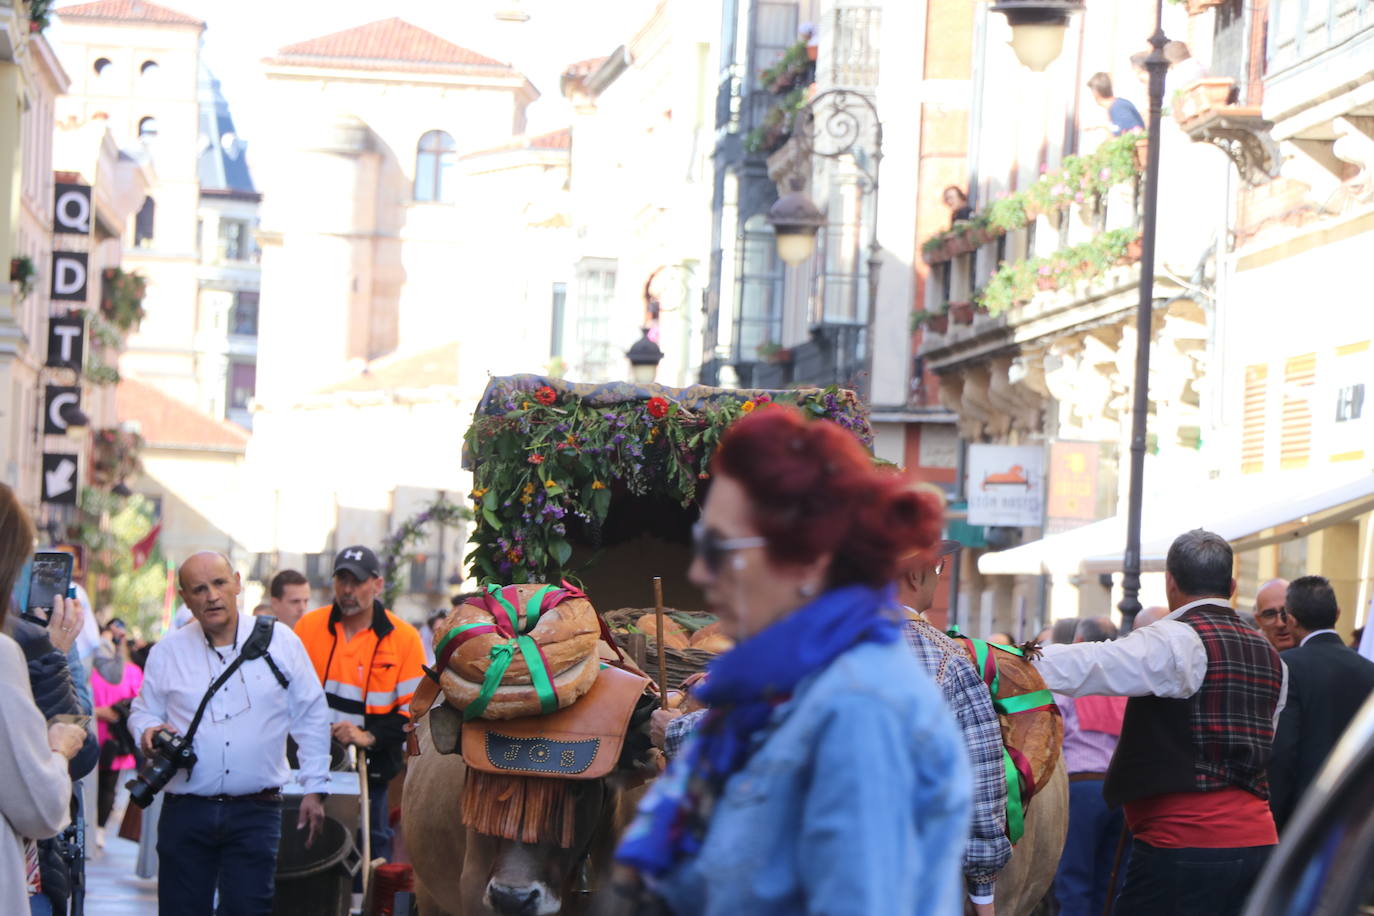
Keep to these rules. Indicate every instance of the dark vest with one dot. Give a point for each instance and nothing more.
(1220, 736)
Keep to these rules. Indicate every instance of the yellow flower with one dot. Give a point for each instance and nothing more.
(598, 485)
(524, 405)
(529, 488)
(479, 492)
(550, 483)
(747, 407)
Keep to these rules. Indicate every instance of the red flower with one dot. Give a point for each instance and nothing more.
(546, 395)
(763, 399)
(658, 408)
(535, 459)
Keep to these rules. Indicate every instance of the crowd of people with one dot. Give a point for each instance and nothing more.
(847, 755)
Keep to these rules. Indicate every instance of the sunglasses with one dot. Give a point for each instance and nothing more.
(712, 549)
(1274, 613)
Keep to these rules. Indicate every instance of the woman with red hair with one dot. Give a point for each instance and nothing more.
(827, 776)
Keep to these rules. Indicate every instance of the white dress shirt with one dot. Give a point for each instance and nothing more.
(1165, 659)
(240, 746)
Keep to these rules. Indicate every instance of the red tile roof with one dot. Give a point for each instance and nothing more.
(437, 368)
(128, 11)
(165, 421)
(555, 140)
(388, 44)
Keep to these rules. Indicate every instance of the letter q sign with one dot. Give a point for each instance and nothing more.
(72, 209)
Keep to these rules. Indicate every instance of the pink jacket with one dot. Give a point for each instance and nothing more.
(103, 693)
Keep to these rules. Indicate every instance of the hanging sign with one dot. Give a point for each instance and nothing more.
(69, 274)
(59, 479)
(56, 398)
(72, 209)
(1006, 485)
(66, 341)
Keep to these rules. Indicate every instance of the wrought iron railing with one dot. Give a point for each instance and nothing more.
(854, 47)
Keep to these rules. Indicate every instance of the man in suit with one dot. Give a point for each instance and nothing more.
(1328, 682)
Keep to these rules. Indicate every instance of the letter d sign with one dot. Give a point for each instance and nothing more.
(69, 276)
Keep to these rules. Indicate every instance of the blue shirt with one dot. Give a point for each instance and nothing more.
(856, 801)
(1124, 117)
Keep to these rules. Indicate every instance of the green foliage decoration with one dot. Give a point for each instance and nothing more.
(398, 549)
(547, 463)
(1018, 281)
(109, 526)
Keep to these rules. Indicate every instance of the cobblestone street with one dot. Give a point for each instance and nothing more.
(112, 888)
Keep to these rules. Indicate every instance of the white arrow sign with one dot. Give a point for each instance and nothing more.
(55, 408)
(59, 480)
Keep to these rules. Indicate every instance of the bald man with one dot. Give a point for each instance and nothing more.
(1272, 616)
(1150, 615)
(221, 819)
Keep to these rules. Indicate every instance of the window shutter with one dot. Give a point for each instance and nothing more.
(1295, 438)
(1252, 419)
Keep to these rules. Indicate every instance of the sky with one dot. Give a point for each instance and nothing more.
(239, 33)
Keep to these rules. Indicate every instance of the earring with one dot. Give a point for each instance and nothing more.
(808, 590)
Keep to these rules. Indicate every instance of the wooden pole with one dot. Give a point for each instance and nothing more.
(662, 662)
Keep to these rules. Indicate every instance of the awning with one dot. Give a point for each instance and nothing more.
(1250, 512)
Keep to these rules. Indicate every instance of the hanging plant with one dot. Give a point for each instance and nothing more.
(114, 456)
(1018, 281)
(121, 297)
(23, 272)
(396, 554)
(548, 457)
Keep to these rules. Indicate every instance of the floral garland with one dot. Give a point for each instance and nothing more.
(396, 554)
(544, 459)
(1077, 180)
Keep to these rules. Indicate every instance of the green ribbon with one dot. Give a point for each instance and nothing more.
(1016, 812)
(1024, 703)
(502, 653)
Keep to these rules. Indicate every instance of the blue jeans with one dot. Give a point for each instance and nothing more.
(380, 822)
(40, 905)
(204, 845)
(1080, 884)
(1189, 882)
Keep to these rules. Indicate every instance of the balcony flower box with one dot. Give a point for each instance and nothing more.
(961, 312)
(1195, 100)
(1142, 153)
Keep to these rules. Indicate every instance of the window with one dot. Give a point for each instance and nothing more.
(243, 317)
(434, 161)
(243, 384)
(560, 301)
(759, 309)
(595, 291)
(143, 224)
(148, 68)
(147, 128)
(102, 66)
(235, 240)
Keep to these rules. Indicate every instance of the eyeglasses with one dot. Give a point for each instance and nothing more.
(1274, 613)
(712, 548)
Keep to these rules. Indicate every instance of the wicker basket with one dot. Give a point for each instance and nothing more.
(680, 663)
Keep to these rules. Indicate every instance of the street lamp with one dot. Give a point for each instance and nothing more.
(796, 218)
(1037, 28)
(795, 221)
(1024, 13)
(644, 359)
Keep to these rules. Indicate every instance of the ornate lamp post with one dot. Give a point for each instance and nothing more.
(644, 356)
(1030, 14)
(796, 218)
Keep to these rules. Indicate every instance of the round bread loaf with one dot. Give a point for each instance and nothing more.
(566, 634)
(711, 638)
(1039, 734)
(674, 636)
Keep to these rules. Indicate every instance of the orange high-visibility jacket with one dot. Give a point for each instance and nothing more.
(369, 679)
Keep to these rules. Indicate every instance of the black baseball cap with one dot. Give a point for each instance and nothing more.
(358, 560)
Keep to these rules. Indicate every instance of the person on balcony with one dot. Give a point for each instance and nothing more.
(1122, 116)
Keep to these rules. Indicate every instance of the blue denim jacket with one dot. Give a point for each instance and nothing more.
(857, 801)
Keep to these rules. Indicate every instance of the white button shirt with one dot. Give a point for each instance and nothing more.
(1165, 659)
(240, 746)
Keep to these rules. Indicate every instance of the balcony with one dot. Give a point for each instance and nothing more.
(1318, 50)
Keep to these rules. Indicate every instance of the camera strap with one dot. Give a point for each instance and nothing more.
(254, 647)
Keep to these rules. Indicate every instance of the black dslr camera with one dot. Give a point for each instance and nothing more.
(171, 752)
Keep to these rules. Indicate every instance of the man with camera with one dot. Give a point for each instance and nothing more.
(219, 697)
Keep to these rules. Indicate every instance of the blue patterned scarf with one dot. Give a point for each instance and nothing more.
(744, 687)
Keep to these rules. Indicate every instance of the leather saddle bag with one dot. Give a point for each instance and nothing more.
(581, 741)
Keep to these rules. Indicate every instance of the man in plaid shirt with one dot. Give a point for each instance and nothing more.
(968, 698)
(988, 847)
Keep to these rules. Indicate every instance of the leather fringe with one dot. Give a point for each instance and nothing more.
(527, 809)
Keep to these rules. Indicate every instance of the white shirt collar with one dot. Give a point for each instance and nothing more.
(1317, 633)
(1192, 604)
